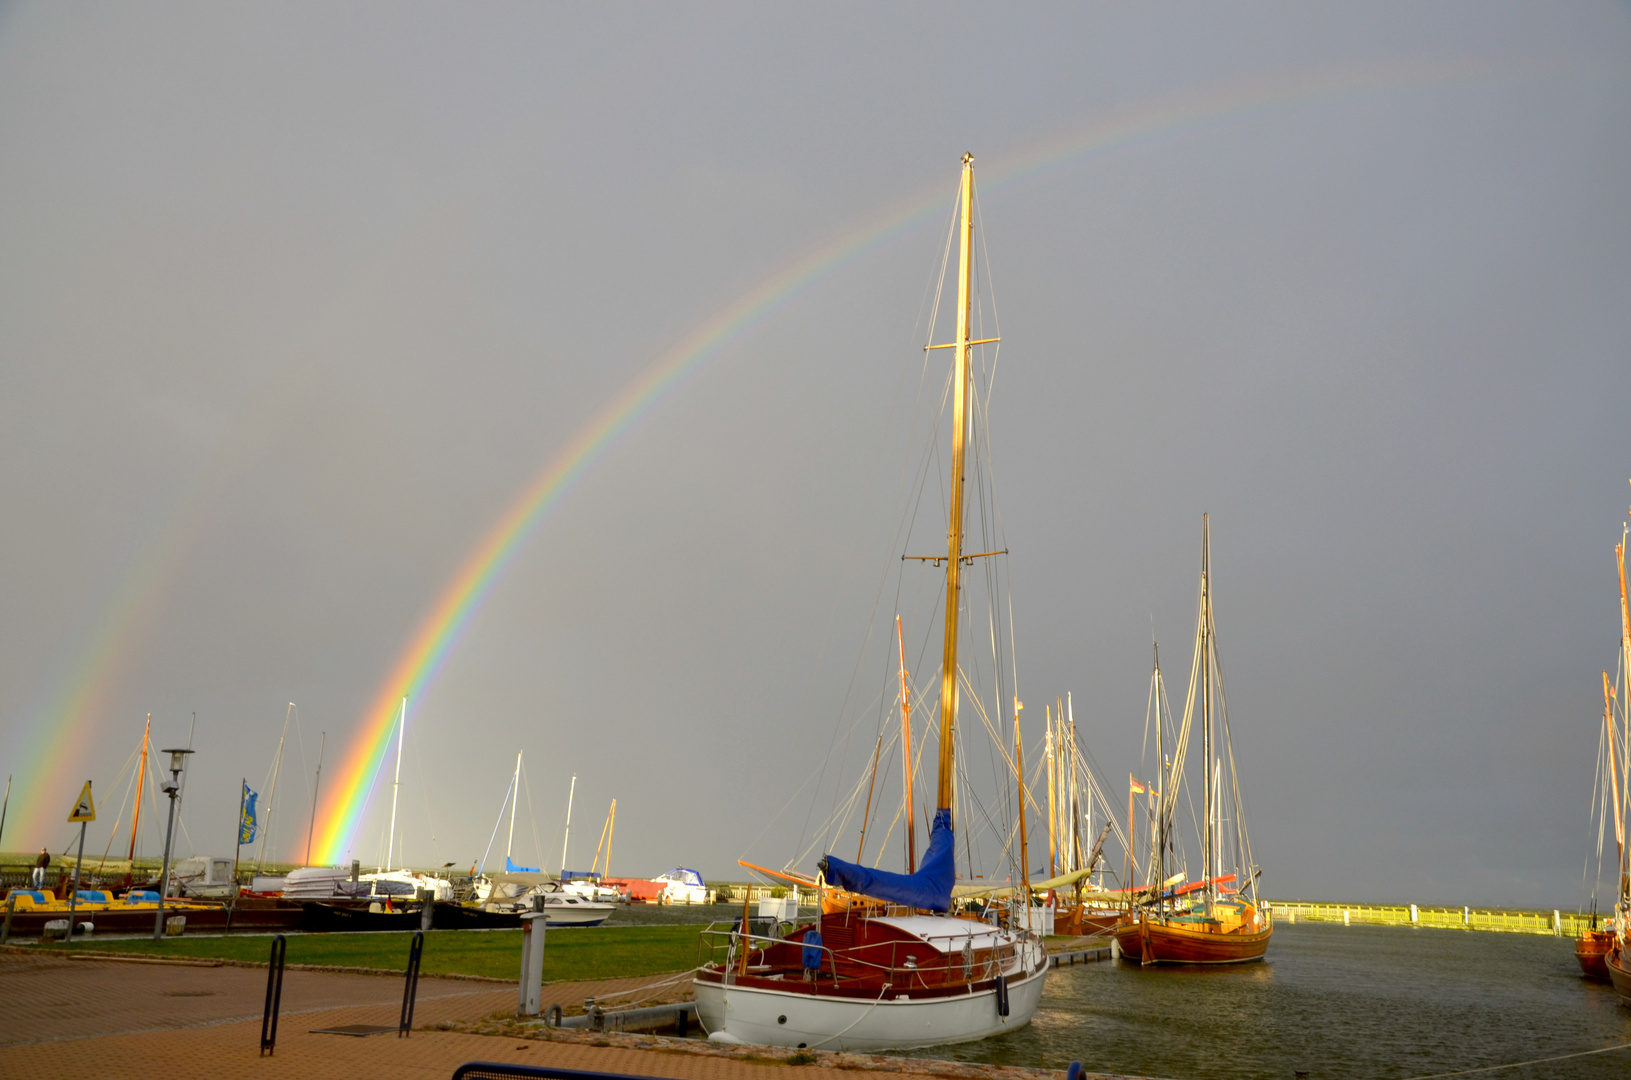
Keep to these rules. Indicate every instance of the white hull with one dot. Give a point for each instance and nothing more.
(752, 1015)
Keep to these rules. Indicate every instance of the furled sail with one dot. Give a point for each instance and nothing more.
(929, 888)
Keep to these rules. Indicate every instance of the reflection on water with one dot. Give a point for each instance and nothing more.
(1332, 1001)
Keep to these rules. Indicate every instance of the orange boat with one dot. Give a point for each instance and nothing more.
(1219, 918)
(1600, 951)
(1230, 932)
(1591, 949)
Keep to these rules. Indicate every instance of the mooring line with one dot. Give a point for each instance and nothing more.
(1521, 1064)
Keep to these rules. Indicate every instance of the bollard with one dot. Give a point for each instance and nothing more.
(1557, 923)
(274, 994)
(427, 913)
(1466, 917)
(1345, 920)
(1115, 949)
(11, 905)
(1415, 915)
(410, 989)
(532, 962)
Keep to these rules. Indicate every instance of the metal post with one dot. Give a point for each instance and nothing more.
(172, 787)
(427, 910)
(73, 893)
(532, 963)
(164, 873)
(410, 989)
(274, 994)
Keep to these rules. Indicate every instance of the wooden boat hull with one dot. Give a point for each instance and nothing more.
(1148, 941)
(1591, 949)
(1619, 974)
(765, 1017)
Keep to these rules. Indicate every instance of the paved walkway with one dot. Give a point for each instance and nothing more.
(111, 1020)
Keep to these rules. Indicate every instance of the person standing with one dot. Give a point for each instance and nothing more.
(40, 865)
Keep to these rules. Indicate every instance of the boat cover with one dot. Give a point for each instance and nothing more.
(929, 888)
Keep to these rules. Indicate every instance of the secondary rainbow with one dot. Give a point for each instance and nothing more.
(48, 754)
(343, 811)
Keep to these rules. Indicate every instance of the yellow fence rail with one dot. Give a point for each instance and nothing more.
(1558, 923)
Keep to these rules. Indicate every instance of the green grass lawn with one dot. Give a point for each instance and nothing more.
(606, 952)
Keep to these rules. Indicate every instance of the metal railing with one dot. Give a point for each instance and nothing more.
(1558, 923)
(1002, 959)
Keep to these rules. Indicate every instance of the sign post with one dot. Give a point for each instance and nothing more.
(84, 813)
(532, 961)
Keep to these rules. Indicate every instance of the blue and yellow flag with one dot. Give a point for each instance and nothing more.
(246, 827)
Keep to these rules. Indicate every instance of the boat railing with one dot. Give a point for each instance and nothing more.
(1000, 958)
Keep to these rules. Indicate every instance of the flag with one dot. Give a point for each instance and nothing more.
(1134, 786)
(247, 826)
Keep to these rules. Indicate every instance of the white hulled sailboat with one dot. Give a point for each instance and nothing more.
(886, 966)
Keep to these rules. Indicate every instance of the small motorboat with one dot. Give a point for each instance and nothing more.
(682, 886)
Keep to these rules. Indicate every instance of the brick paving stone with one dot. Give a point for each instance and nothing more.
(113, 1020)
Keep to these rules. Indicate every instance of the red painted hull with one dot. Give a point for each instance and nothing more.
(1592, 949)
(1147, 941)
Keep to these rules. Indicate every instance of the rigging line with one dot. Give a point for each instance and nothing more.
(124, 801)
(424, 788)
(1522, 1064)
(300, 742)
(854, 673)
(532, 818)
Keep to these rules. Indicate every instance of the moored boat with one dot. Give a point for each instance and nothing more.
(886, 965)
(1217, 919)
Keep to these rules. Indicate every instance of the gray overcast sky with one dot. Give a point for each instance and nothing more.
(294, 301)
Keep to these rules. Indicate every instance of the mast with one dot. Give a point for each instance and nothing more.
(271, 792)
(573, 790)
(1076, 856)
(954, 528)
(316, 786)
(396, 782)
(1613, 772)
(906, 743)
(1210, 839)
(1158, 865)
(611, 830)
(515, 786)
(1053, 806)
(1024, 849)
(141, 775)
(1623, 886)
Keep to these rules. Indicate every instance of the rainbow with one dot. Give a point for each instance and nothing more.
(49, 754)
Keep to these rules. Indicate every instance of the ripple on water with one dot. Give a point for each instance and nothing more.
(1337, 1002)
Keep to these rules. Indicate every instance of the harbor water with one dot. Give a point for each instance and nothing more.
(1334, 1002)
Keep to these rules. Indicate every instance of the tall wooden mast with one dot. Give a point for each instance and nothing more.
(1211, 839)
(1624, 884)
(954, 528)
(906, 744)
(1053, 801)
(141, 778)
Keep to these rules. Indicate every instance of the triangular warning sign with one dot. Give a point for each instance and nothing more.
(84, 809)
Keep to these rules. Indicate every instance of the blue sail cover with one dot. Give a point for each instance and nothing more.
(929, 888)
(511, 868)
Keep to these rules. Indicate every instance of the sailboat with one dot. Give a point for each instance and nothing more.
(1611, 944)
(1217, 918)
(898, 971)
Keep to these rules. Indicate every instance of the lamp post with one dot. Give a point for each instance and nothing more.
(178, 765)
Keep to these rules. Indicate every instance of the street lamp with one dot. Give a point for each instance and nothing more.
(178, 764)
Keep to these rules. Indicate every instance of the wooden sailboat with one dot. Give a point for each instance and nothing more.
(896, 971)
(1218, 918)
(1610, 945)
